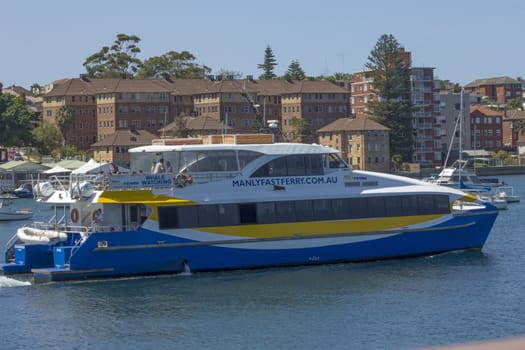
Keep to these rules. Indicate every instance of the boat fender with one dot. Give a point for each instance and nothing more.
(74, 216)
(182, 180)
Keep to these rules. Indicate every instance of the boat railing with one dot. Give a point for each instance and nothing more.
(61, 227)
(211, 176)
(165, 180)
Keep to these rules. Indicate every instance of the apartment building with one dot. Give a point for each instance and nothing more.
(362, 142)
(100, 107)
(498, 90)
(450, 110)
(486, 128)
(318, 102)
(426, 119)
(114, 148)
(513, 130)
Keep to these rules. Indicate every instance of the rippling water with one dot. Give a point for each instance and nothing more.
(398, 304)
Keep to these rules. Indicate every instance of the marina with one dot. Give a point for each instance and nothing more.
(416, 303)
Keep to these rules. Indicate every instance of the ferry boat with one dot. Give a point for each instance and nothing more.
(239, 202)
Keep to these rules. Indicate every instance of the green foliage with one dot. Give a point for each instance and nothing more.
(301, 131)
(520, 126)
(347, 77)
(181, 128)
(117, 60)
(47, 138)
(396, 160)
(63, 119)
(226, 73)
(295, 72)
(515, 103)
(71, 151)
(269, 65)
(392, 108)
(174, 64)
(15, 121)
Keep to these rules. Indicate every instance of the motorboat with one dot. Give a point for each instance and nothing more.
(241, 202)
(7, 213)
(506, 193)
(24, 191)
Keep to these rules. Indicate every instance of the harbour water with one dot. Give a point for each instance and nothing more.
(399, 304)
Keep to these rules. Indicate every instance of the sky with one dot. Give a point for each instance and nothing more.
(464, 40)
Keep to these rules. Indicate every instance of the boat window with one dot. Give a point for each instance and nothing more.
(314, 164)
(426, 204)
(168, 217)
(228, 214)
(442, 205)
(323, 209)
(376, 207)
(266, 213)
(144, 162)
(300, 211)
(247, 213)
(335, 161)
(292, 165)
(188, 217)
(393, 206)
(210, 161)
(340, 208)
(245, 157)
(358, 208)
(296, 166)
(409, 204)
(208, 215)
(285, 211)
(304, 211)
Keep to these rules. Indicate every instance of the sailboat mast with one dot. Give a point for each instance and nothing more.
(460, 159)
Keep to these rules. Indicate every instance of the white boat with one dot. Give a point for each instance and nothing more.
(7, 213)
(238, 202)
(506, 193)
(457, 176)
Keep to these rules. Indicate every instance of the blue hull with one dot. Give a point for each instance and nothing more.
(146, 253)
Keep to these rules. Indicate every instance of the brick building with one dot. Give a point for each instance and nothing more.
(363, 143)
(486, 128)
(100, 107)
(499, 90)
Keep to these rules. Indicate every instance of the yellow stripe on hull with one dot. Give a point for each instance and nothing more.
(139, 197)
(317, 228)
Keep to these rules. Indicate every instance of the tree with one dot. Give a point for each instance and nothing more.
(47, 138)
(63, 120)
(229, 73)
(174, 64)
(268, 65)
(180, 126)
(15, 120)
(392, 107)
(300, 130)
(115, 61)
(295, 72)
(519, 126)
(515, 103)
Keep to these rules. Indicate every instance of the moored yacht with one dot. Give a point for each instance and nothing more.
(240, 201)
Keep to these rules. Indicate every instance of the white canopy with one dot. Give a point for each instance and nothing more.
(93, 167)
(57, 170)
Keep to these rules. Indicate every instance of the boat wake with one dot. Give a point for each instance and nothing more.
(10, 282)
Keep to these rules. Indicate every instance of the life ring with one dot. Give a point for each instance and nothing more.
(94, 215)
(182, 180)
(74, 216)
